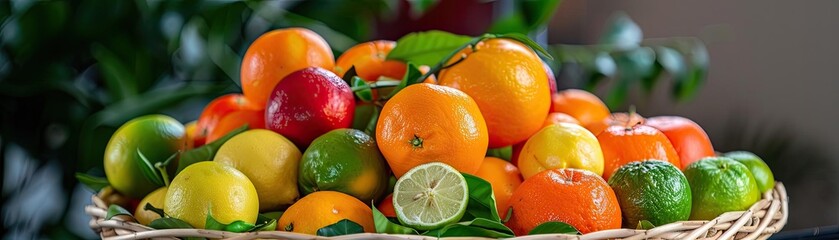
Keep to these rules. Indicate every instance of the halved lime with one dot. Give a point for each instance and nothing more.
(430, 196)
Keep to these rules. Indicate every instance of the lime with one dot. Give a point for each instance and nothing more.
(211, 188)
(761, 172)
(157, 137)
(430, 196)
(344, 160)
(156, 199)
(269, 160)
(651, 190)
(719, 185)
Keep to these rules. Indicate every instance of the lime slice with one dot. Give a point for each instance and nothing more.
(430, 196)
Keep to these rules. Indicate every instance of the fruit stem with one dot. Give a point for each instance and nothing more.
(628, 123)
(376, 85)
(416, 142)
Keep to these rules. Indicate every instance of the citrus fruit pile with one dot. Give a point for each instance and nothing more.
(405, 138)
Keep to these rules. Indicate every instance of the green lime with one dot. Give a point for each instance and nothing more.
(653, 190)
(719, 185)
(157, 137)
(430, 196)
(344, 160)
(761, 172)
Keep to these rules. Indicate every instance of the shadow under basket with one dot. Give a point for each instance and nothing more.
(761, 220)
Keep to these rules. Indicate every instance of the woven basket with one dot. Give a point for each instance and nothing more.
(761, 220)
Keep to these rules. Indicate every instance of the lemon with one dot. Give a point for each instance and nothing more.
(156, 199)
(211, 187)
(269, 160)
(157, 137)
(430, 196)
(562, 145)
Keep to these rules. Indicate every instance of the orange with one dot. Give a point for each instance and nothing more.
(508, 82)
(277, 53)
(558, 117)
(386, 206)
(504, 178)
(429, 123)
(582, 105)
(255, 119)
(369, 61)
(687, 137)
(617, 119)
(622, 145)
(324, 208)
(576, 197)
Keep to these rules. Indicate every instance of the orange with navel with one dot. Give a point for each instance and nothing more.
(509, 83)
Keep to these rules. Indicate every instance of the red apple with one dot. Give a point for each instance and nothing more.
(308, 103)
(689, 140)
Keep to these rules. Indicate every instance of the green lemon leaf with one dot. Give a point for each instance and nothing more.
(361, 89)
(478, 227)
(503, 152)
(384, 225)
(554, 227)
(645, 225)
(481, 200)
(266, 221)
(208, 151)
(426, 48)
(528, 42)
(149, 207)
(148, 169)
(213, 224)
(622, 32)
(238, 226)
(412, 75)
(339, 228)
(116, 210)
(169, 223)
(92, 182)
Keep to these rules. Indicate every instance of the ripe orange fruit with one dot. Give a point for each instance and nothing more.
(504, 178)
(429, 123)
(558, 117)
(582, 105)
(255, 119)
(622, 145)
(218, 109)
(277, 53)
(508, 82)
(576, 197)
(324, 208)
(386, 206)
(369, 61)
(617, 119)
(687, 137)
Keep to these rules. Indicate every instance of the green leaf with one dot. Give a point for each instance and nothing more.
(92, 182)
(348, 76)
(696, 54)
(645, 225)
(412, 75)
(383, 225)
(671, 61)
(116, 210)
(148, 169)
(503, 152)
(212, 224)
(554, 227)
(169, 223)
(239, 226)
(208, 151)
(622, 32)
(478, 227)
(361, 89)
(339, 228)
(529, 42)
(633, 66)
(419, 7)
(266, 221)
(481, 200)
(149, 207)
(370, 129)
(426, 48)
(526, 16)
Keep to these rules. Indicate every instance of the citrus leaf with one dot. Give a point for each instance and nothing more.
(529, 42)
(554, 227)
(116, 210)
(412, 75)
(478, 227)
(208, 151)
(503, 152)
(348, 76)
(92, 182)
(238, 226)
(212, 224)
(148, 169)
(266, 221)
(339, 228)
(149, 207)
(169, 223)
(427, 48)
(370, 129)
(481, 200)
(383, 225)
(361, 89)
(645, 225)
(622, 32)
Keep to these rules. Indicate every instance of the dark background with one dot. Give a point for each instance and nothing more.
(71, 72)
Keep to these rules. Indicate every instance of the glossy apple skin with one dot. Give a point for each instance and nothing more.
(688, 138)
(308, 103)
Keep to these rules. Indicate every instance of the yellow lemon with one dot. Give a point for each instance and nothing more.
(210, 187)
(562, 145)
(269, 160)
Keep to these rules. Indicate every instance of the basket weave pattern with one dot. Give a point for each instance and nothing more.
(761, 220)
